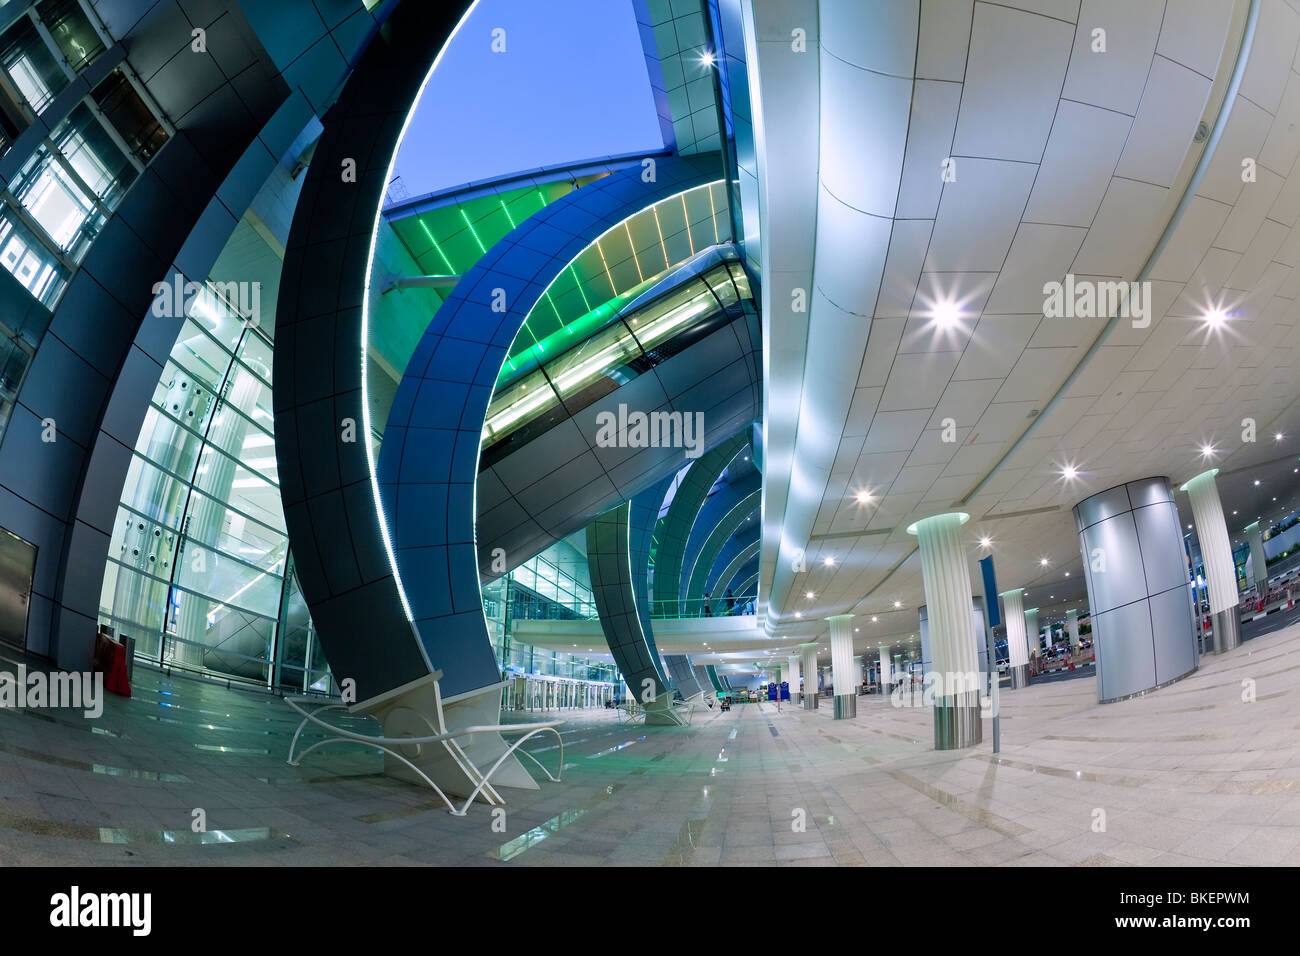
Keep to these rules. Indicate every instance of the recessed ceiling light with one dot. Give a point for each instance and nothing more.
(1043, 562)
(874, 619)
(1067, 574)
(1278, 437)
(1215, 318)
(1069, 473)
(828, 561)
(898, 604)
(1256, 482)
(707, 58)
(809, 595)
(1207, 451)
(986, 542)
(864, 497)
(946, 315)
(798, 613)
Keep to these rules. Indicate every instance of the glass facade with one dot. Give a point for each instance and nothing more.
(198, 568)
(74, 178)
(555, 585)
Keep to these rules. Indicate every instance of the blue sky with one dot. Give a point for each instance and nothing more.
(571, 85)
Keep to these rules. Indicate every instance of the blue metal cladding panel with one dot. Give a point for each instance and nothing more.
(430, 449)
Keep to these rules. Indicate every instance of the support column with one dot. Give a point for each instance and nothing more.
(858, 671)
(795, 671)
(846, 697)
(1013, 606)
(809, 675)
(886, 670)
(1258, 562)
(1135, 567)
(946, 574)
(1033, 637)
(1072, 627)
(1216, 555)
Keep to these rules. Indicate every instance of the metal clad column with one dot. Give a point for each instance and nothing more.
(1216, 555)
(1258, 561)
(794, 677)
(1072, 625)
(948, 599)
(809, 663)
(846, 700)
(1135, 567)
(886, 670)
(1013, 603)
(1033, 637)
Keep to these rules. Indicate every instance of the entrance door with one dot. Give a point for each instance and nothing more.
(17, 566)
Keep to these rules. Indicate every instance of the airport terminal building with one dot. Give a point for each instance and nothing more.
(650, 432)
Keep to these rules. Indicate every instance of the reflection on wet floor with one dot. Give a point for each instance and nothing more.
(512, 848)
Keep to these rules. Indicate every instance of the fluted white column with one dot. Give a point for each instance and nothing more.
(886, 670)
(794, 676)
(857, 673)
(1072, 622)
(842, 665)
(1013, 605)
(1033, 636)
(1216, 555)
(809, 675)
(1258, 562)
(946, 574)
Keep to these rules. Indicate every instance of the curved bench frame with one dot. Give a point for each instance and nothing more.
(449, 741)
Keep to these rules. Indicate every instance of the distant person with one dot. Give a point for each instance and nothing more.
(731, 602)
(708, 611)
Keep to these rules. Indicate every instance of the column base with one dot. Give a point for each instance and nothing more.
(1019, 676)
(1227, 630)
(957, 722)
(413, 714)
(846, 706)
(809, 701)
(660, 712)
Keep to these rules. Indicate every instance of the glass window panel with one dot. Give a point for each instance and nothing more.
(168, 444)
(58, 203)
(221, 477)
(154, 494)
(30, 66)
(141, 543)
(97, 159)
(71, 31)
(227, 583)
(35, 267)
(128, 114)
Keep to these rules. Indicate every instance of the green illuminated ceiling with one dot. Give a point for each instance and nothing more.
(615, 268)
(449, 239)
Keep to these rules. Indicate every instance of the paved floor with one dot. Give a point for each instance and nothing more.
(1204, 771)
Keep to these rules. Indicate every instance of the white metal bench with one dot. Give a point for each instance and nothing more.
(448, 740)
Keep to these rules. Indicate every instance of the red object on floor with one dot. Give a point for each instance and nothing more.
(115, 675)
